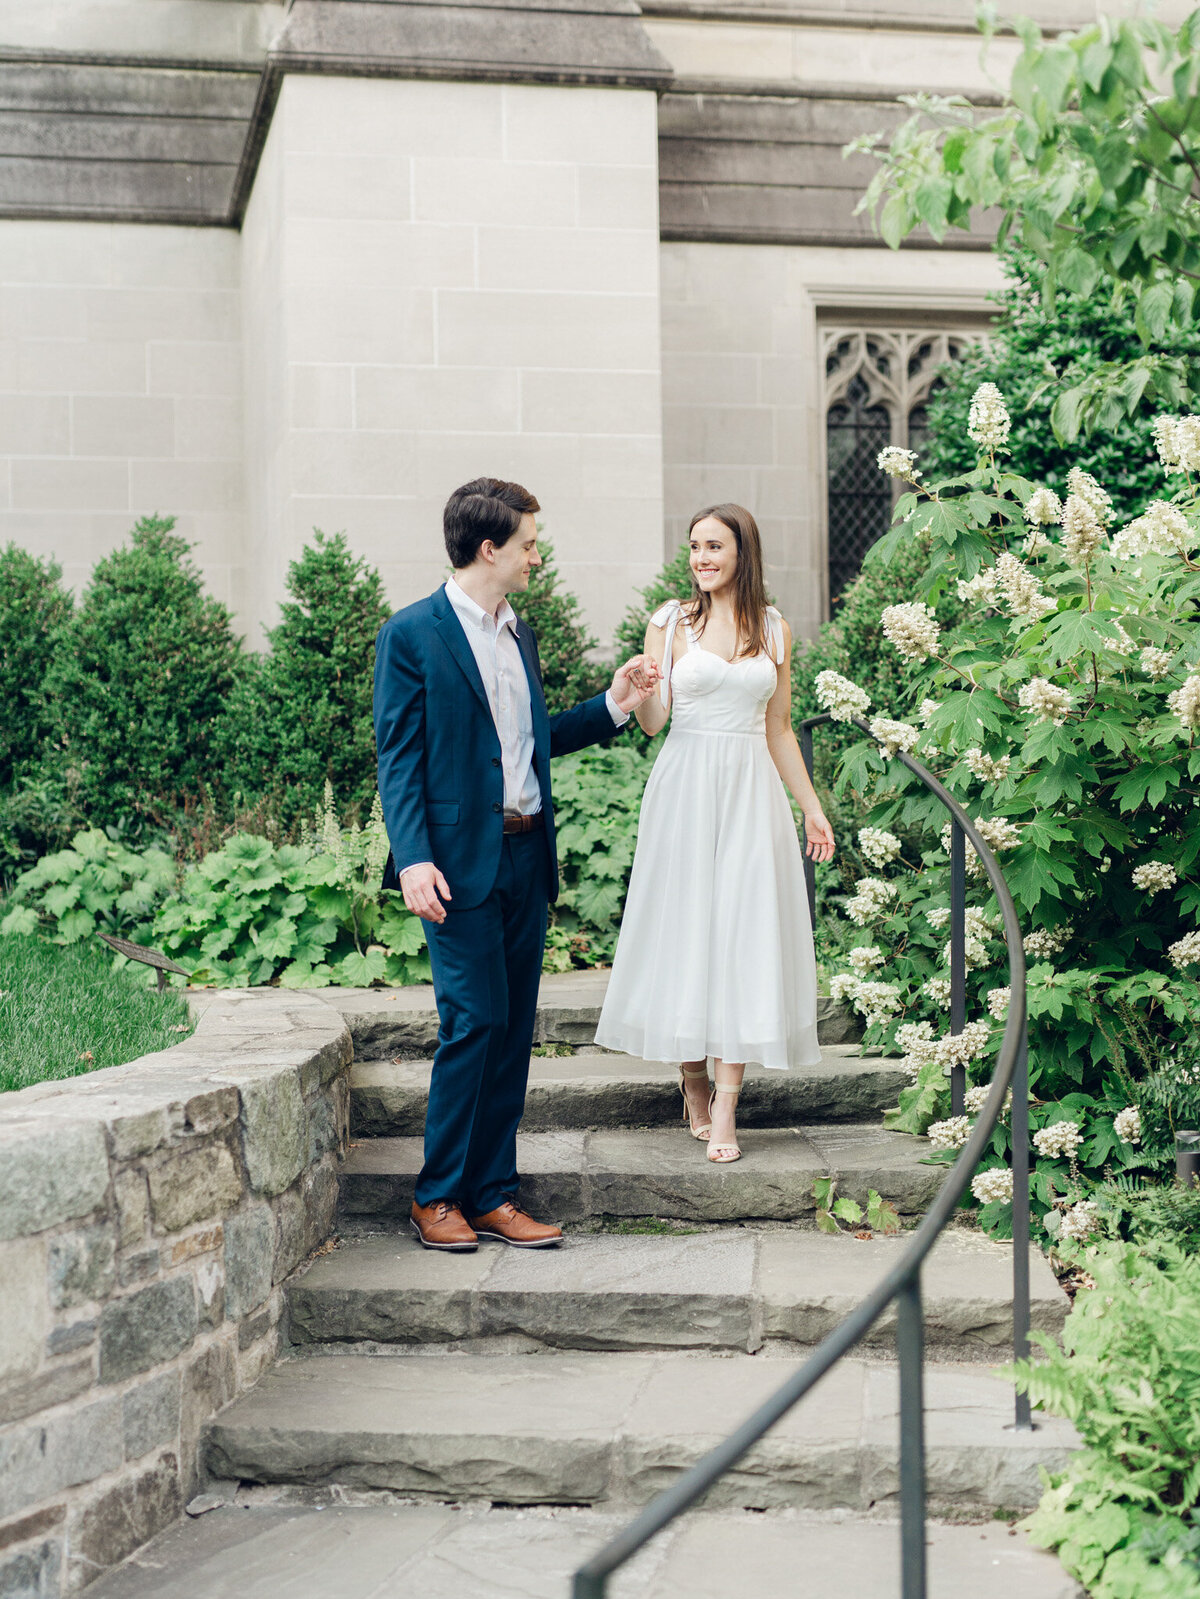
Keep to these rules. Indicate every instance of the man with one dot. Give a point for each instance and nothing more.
(465, 743)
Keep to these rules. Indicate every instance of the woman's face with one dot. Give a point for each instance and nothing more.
(714, 556)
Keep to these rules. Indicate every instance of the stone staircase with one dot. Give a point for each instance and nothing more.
(591, 1375)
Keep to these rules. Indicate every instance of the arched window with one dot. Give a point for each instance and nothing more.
(877, 385)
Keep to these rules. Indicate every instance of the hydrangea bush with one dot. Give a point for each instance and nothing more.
(1063, 712)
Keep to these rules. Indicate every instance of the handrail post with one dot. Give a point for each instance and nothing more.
(1023, 1418)
(810, 870)
(958, 958)
(910, 1349)
(586, 1586)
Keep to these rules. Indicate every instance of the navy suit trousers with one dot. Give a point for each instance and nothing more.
(487, 964)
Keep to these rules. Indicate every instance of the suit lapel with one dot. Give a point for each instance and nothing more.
(537, 697)
(450, 631)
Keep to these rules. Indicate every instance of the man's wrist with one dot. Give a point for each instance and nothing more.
(411, 867)
(619, 716)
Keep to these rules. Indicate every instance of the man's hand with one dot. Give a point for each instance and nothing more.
(819, 835)
(635, 682)
(421, 886)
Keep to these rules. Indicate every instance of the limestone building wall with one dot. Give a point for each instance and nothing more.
(443, 280)
(120, 389)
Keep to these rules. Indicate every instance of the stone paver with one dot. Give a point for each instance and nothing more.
(398, 1551)
(585, 1429)
(387, 1098)
(403, 1021)
(660, 1172)
(731, 1289)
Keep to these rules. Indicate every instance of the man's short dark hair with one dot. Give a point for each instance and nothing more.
(485, 508)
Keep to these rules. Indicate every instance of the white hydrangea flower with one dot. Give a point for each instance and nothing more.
(1153, 876)
(1162, 529)
(976, 1098)
(1021, 590)
(1184, 951)
(1127, 1125)
(938, 990)
(894, 735)
(898, 463)
(913, 1036)
(1122, 644)
(1043, 508)
(938, 917)
(975, 954)
(998, 834)
(960, 1049)
(840, 697)
(1185, 702)
(926, 711)
(871, 899)
(988, 421)
(1036, 541)
(1062, 1138)
(1045, 701)
(979, 924)
(843, 986)
(877, 846)
(1082, 533)
(987, 768)
(990, 1186)
(1080, 1221)
(1177, 439)
(1046, 941)
(1155, 663)
(865, 958)
(949, 1134)
(980, 589)
(1084, 486)
(877, 1002)
(998, 1001)
(912, 628)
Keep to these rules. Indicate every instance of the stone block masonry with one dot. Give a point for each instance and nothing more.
(148, 1215)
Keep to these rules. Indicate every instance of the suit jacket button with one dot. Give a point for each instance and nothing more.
(495, 760)
(497, 807)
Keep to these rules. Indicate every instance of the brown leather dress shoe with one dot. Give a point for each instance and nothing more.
(512, 1225)
(442, 1225)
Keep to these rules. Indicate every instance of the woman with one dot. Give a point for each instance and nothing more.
(715, 955)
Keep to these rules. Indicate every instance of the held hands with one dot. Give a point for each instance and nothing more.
(819, 835)
(635, 682)
(421, 886)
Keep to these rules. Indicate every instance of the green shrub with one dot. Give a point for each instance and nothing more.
(33, 610)
(1032, 346)
(141, 682)
(96, 886)
(301, 717)
(597, 796)
(304, 915)
(1076, 799)
(674, 582)
(569, 673)
(1123, 1516)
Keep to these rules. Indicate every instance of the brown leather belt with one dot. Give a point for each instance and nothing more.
(524, 824)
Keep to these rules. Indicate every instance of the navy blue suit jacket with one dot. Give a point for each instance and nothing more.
(440, 777)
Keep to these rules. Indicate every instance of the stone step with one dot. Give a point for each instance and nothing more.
(570, 1176)
(385, 1022)
(387, 1098)
(395, 1551)
(618, 1428)
(733, 1289)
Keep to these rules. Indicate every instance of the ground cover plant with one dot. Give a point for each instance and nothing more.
(1063, 712)
(65, 1011)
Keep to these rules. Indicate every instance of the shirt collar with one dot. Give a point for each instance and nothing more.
(469, 611)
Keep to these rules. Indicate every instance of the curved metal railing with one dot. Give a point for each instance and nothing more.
(903, 1282)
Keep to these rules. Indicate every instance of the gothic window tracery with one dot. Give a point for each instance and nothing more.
(877, 385)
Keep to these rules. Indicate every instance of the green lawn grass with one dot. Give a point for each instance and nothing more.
(59, 1006)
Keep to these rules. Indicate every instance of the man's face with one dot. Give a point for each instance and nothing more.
(516, 559)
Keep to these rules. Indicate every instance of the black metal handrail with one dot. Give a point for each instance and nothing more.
(903, 1282)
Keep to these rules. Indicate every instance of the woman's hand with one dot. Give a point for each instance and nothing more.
(635, 682)
(819, 835)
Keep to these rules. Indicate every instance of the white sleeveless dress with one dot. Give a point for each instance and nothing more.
(715, 955)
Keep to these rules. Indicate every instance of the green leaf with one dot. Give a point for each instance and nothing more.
(826, 1223)
(360, 971)
(847, 1210)
(20, 919)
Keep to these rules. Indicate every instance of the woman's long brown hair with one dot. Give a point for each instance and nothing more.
(749, 588)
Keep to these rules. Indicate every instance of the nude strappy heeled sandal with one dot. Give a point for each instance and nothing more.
(701, 1132)
(722, 1154)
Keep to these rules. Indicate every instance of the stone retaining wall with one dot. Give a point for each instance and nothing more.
(148, 1215)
